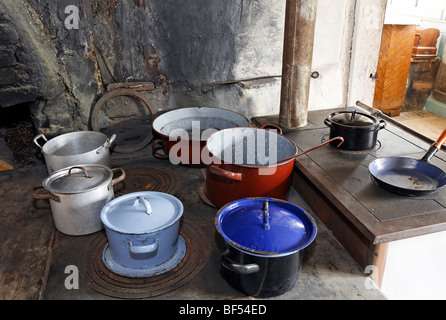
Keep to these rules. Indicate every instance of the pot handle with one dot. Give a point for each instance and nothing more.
(81, 168)
(154, 144)
(117, 179)
(43, 196)
(107, 144)
(382, 124)
(40, 135)
(272, 126)
(143, 249)
(236, 267)
(225, 173)
(327, 122)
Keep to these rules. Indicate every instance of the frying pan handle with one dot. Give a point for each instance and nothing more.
(225, 173)
(435, 147)
(441, 140)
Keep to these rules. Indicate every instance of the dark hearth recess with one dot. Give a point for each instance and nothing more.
(61, 69)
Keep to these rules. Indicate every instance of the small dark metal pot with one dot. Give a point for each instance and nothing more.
(265, 238)
(359, 130)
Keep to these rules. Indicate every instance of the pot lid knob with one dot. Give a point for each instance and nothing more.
(353, 115)
(266, 225)
(143, 201)
(353, 118)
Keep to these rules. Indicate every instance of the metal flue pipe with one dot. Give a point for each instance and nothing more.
(300, 18)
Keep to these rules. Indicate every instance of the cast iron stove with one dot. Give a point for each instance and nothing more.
(364, 217)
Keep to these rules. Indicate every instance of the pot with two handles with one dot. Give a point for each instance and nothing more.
(182, 133)
(143, 234)
(72, 148)
(77, 195)
(265, 239)
(250, 162)
(359, 130)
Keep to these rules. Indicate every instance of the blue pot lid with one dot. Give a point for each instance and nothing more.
(265, 226)
(141, 212)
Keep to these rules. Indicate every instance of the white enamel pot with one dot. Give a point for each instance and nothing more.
(143, 233)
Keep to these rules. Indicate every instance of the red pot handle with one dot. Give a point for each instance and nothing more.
(225, 173)
(154, 144)
(271, 126)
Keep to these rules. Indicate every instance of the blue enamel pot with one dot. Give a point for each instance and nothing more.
(265, 238)
(143, 233)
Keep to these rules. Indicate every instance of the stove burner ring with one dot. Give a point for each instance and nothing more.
(98, 277)
(375, 148)
(146, 178)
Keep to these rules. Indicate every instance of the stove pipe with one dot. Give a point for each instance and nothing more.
(300, 18)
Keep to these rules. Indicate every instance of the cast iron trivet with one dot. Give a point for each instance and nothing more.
(99, 278)
(375, 148)
(203, 196)
(146, 178)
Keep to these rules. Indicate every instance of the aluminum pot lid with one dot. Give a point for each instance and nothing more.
(78, 179)
(141, 212)
(353, 118)
(266, 226)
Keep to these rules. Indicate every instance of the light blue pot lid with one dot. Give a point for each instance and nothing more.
(287, 229)
(141, 212)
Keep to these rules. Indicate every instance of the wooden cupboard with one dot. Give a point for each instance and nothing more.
(393, 68)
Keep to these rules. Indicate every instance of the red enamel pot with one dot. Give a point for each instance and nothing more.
(182, 133)
(247, 162)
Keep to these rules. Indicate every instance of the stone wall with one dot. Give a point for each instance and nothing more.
(62, 66)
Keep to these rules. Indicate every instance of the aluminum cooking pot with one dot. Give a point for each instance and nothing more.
(77, 195)
(182, 133)
(265, 239)
(143, 234)
(74, 148)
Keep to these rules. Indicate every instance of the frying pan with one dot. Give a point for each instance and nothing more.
(409, 177)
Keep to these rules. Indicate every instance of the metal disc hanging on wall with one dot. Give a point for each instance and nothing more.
(133, 130)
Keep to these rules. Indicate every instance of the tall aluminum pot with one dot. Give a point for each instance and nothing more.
(240, 170)
(74, 148)
(77, 195)
(182, 133)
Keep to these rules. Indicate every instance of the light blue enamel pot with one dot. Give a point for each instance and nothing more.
(143, 233)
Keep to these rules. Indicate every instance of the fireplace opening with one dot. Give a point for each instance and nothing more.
(17, 133)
